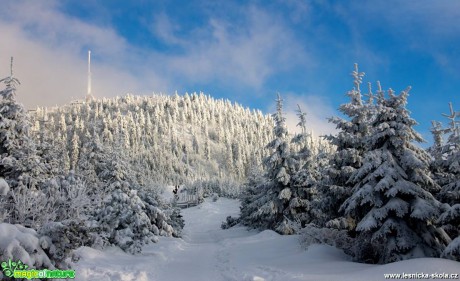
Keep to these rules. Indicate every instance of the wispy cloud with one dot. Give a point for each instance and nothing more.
(246, 53)
(163, 28)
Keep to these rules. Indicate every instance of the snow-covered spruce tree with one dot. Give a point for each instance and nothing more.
(19, 165)
(448, 167)
(51, 148)
(335, 187)
(305, 177)
(251, 191)
(94, 165)
(391, 203)
(19, 161)
(265, 208)
(438, 151)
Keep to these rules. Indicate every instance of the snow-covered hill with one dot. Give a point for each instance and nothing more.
(207, 252)
(170, 139)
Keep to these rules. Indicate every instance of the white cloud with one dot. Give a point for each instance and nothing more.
(231, 53)
(165, 29)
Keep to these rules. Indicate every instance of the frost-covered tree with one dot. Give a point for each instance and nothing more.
(391, 203)
(450, 190)
(436, 150)
(19, 161)
(264, 209)
(335, 187)
(20, 165)
(94, 165)
(447, 165)
(126, 220)
(305, 178)
(69, 196)
(166, 219)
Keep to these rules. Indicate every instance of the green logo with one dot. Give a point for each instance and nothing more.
(20, 270)
(9, 267)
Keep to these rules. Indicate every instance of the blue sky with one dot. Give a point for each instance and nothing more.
(245, 51)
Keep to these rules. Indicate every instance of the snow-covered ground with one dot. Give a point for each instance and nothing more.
(207, 252)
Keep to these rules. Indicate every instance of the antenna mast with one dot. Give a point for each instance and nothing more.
(88, 94)
(11, 67)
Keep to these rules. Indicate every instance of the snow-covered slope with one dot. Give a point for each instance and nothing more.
(207, 252)
(170, 139)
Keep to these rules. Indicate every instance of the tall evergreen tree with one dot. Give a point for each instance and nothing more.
(449, 164)
(19, 162)
(264, 209)
(335, 187)
(447, 168)
(391, 201)
(305, 178)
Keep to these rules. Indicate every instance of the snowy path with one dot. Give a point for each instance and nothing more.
(207, 252)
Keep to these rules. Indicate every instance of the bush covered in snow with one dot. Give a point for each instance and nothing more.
(162, 216)
(452, 250)
(230, 222)
(175, 220)
(59, 239)
(55, 199)
(450, 220)
(312, 234)
(129, 222)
